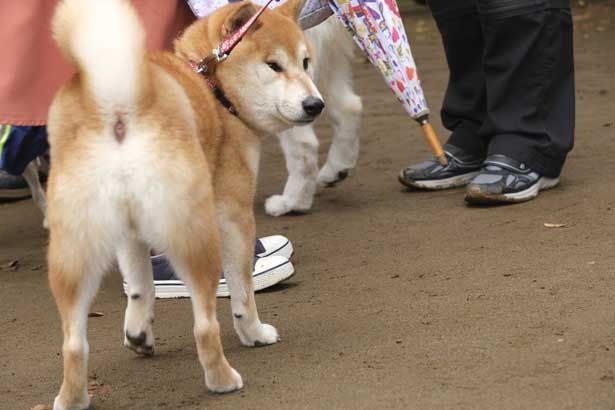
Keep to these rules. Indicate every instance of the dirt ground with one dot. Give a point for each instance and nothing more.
(402, 300)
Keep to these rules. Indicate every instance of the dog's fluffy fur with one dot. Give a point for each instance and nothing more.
(334, 49)
(145, 157)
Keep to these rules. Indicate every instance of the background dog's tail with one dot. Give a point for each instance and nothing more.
(105, 40)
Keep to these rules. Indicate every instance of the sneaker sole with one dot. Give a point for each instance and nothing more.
(477, 197)
(439, 184)
(20, 193)
(174, 289)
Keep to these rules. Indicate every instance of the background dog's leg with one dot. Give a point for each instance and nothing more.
(194, 253)
(38, 194)
(344, 108)
(73, 292)
(136, 268)
(237, 234)
(300, 147)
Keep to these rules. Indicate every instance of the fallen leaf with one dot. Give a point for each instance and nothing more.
(41, 407)
(96, 388)
(549, 225)
(96, 314)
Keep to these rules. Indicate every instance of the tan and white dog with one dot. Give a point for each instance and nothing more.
(145, 156)
(332, 72)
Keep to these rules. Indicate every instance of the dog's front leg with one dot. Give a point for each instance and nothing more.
(300, 147)
(237, 235)
(136, 268)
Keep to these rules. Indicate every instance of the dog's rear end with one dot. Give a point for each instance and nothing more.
(124, 158)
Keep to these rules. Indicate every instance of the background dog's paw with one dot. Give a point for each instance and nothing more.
(258, 336)
(223, 383)
(329, 177)
(277, 205)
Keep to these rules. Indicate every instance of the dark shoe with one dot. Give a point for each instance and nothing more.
(13, 186)
(505, 180)
(461, 168)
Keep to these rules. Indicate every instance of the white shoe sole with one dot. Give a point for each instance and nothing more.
(173, 289)
(262, 280)
(479, 197)
(438, 184)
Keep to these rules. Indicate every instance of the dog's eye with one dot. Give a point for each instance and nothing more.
(306, 63)
(275, 67)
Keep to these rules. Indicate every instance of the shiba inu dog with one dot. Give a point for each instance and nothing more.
(147, 153)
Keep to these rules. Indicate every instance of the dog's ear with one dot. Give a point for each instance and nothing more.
(238, 17)
(292, 9)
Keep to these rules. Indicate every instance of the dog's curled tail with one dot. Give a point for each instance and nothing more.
(105, 40)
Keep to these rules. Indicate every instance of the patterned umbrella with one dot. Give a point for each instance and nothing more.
(378, 30)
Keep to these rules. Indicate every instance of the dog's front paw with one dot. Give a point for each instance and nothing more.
(224, 381)
(329, 177)
(277, 205)
(258, 335)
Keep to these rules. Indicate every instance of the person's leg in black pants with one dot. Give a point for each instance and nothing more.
(464, 107)
(529, 74)
(530, 80)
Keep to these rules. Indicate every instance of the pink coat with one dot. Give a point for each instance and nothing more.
(31, 67)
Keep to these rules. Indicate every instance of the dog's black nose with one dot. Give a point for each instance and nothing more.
(313, 106)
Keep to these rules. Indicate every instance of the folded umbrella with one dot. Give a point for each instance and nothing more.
(378, 30)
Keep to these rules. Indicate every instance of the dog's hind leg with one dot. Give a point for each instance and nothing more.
(194, 252)
(30, 174)
(136, 268)
(300, 147)
(237, 233)
(74, 283)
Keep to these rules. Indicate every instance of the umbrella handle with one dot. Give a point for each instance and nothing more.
(434, 142)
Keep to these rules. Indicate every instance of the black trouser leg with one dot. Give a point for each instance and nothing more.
(529, 72)
(463, 109)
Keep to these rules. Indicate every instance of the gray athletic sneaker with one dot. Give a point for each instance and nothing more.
(505, 180)
(461, 168)
(13, 186)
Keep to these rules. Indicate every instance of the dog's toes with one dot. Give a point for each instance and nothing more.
(83, 404)
(328, 178)
(139, 344)
(223, 382)
(276, 205)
